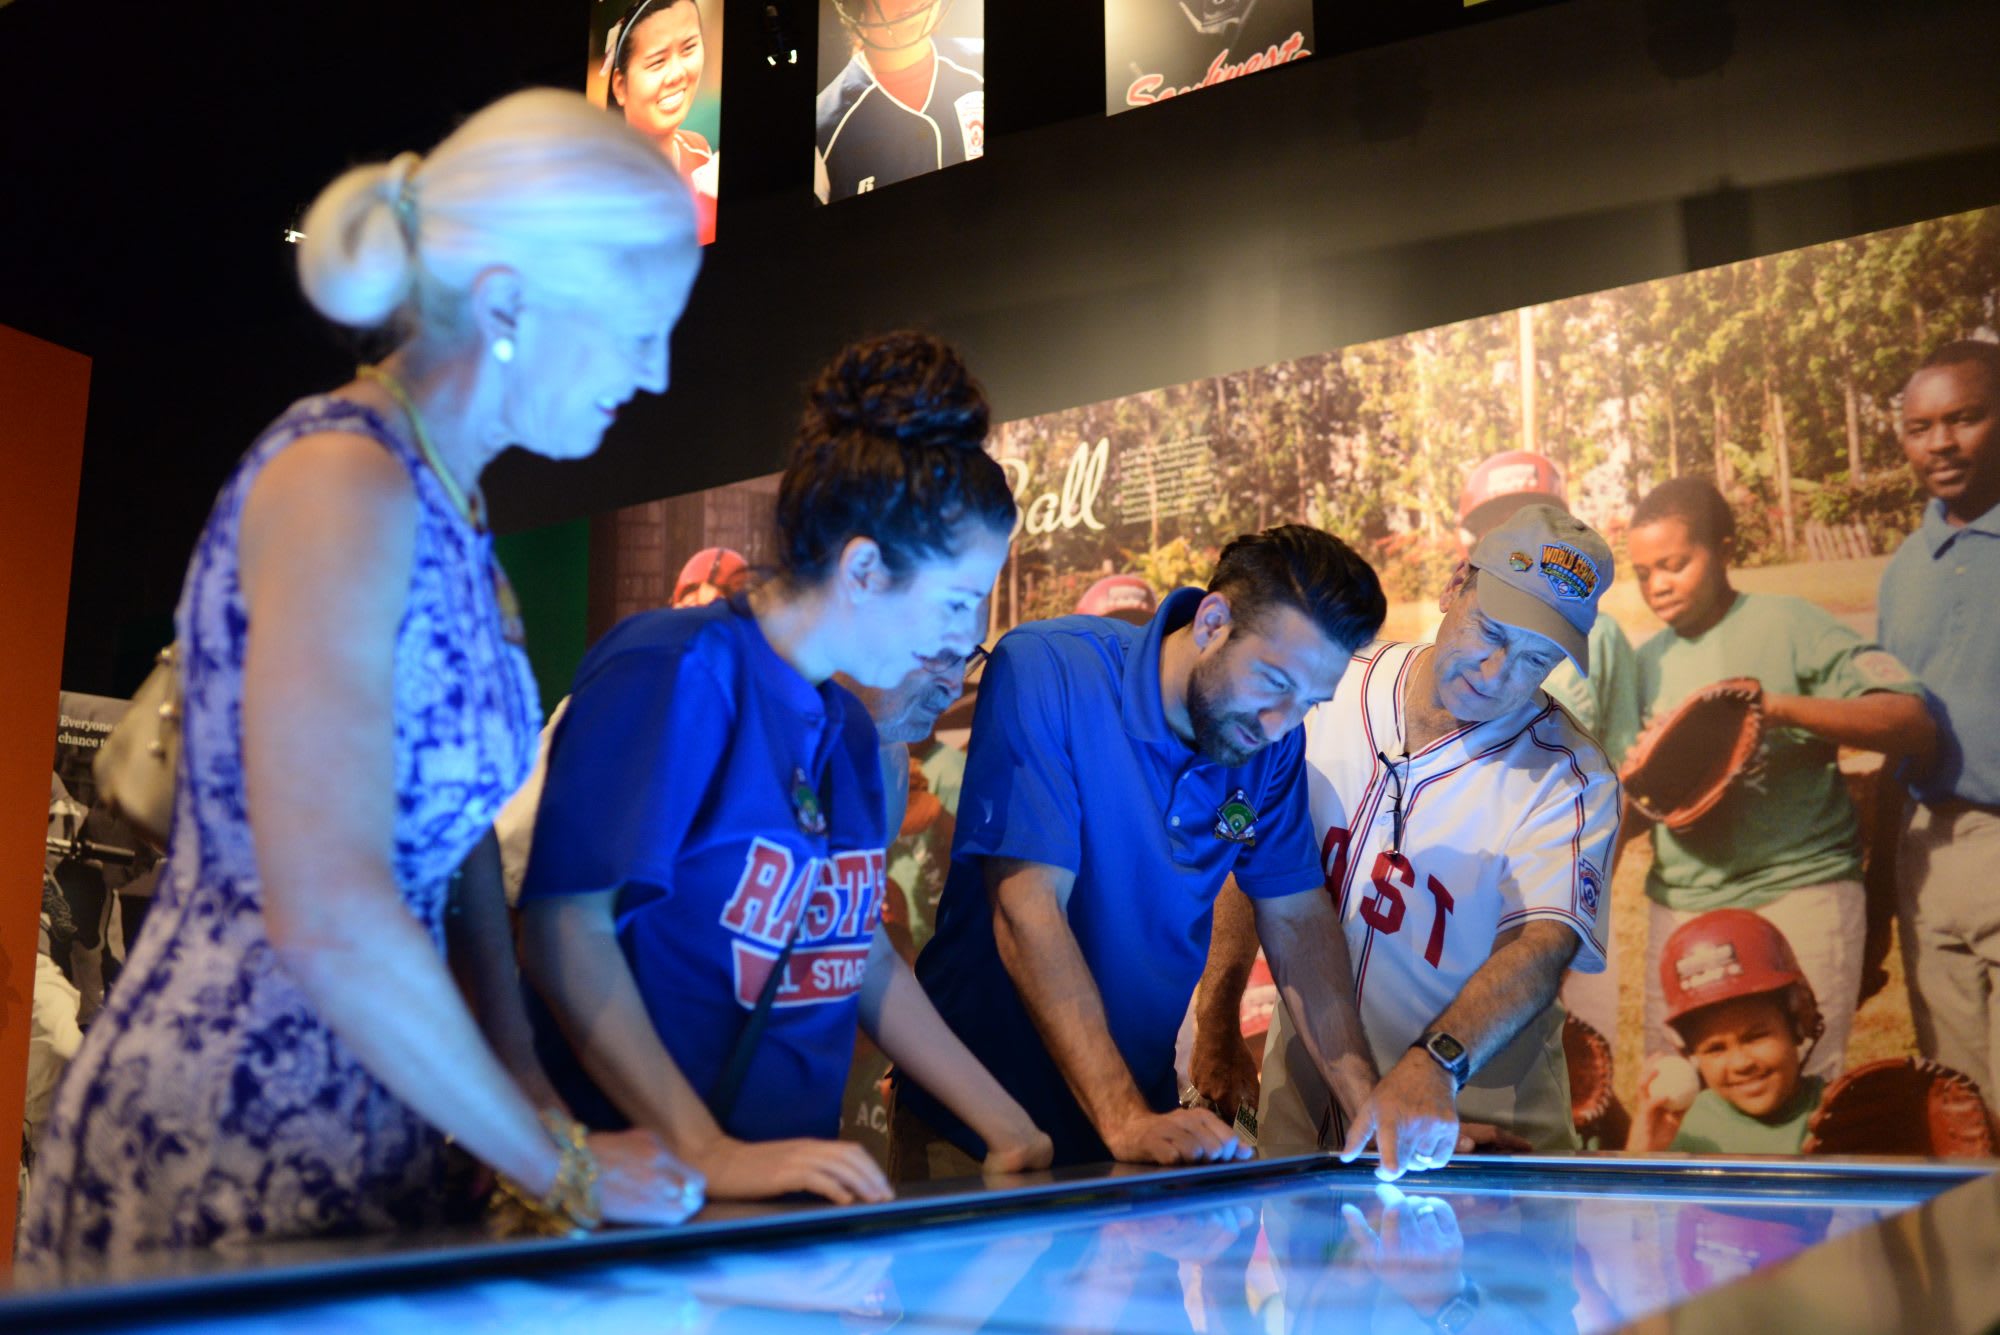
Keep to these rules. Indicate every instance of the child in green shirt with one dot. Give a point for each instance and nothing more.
(1785, 841)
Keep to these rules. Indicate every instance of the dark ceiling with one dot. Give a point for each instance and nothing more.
(151, 156)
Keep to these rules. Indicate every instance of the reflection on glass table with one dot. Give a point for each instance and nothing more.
(1308, 1252)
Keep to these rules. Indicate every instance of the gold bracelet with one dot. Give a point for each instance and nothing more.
(571, 1206)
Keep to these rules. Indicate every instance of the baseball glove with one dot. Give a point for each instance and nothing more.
(1683, 764)
(1902, 1105)
(1601, 1121)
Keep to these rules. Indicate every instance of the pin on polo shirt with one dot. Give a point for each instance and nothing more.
(805, 804)
(1236, 819)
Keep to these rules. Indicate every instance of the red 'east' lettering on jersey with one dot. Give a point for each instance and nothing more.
(1333, 864)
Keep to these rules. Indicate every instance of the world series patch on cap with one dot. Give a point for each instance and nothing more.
(1547, 570)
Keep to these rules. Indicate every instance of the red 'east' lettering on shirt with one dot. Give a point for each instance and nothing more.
(861, 876)
(841, 900)
(757, 907)
(1333, 861)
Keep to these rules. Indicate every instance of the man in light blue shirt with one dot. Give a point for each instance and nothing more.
(1938, 615)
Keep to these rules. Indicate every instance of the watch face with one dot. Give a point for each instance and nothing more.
(1447, 1047)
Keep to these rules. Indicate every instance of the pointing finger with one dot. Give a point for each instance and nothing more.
(1358, 1134)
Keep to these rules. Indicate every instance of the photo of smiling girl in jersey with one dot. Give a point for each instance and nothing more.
(656, 57)
(714, 808)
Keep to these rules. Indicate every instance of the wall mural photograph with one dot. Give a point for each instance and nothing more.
(902, 92)
(1157, 49)
(659, 63)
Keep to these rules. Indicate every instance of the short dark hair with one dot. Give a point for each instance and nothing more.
(1308, 570)
(891, 447)
(1967, 352)
(1695, 502)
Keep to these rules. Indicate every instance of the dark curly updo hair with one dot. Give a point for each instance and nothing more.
(892, 447)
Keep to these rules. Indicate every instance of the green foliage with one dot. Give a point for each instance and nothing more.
(1172, 564)
(1884, 504)
(1777, 376)
(1416, 569)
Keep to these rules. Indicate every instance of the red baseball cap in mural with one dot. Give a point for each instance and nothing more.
(711, 573)
(1119, 593)
(1501, 483)
(1544, 570)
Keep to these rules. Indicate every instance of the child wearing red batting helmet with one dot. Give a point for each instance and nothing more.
(1740, 1009)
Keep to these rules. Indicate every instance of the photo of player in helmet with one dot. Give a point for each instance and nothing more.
(903, 91)
(1156, 49)
(1744, 1019)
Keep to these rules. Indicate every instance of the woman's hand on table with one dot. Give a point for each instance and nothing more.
(640, 1182)
(839, 1170)
(1029, 1153)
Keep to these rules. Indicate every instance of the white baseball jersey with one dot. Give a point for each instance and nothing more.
(1501, 823)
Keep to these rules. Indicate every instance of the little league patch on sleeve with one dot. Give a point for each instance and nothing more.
(1568, 571)
(971, 109)
(1590, 889)
(1236, 819)
(1879, 667)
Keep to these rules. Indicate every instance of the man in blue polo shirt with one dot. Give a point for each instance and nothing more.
(1117, 775)
(1937, 606)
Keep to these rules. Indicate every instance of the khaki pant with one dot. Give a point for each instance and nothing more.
(919, 1154)
(1948, 913)
(1524, 1089)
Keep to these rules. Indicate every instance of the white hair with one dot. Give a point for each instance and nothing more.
(541, 182)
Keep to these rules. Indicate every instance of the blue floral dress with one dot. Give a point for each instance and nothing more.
(209, 1103)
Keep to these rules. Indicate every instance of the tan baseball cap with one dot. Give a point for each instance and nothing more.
(1546, 570)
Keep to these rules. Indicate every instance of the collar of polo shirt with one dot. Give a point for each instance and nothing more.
(1143, 709)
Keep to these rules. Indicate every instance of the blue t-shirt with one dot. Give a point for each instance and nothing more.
(686, 773)
(1072, 764)
(1937, 616)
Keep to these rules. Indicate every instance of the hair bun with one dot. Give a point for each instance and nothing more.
(356, 261)
(904, 387)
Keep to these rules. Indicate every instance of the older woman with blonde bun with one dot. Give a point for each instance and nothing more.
(317, 1002)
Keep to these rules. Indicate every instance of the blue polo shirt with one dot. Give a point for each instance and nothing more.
(1072, 764)
(686, 773)
(1937, 609)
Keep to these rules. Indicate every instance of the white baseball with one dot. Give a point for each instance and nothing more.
(1675, 1084)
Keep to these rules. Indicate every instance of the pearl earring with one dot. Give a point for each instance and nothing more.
(503, 349)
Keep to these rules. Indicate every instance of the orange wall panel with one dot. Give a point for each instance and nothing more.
(44, 394)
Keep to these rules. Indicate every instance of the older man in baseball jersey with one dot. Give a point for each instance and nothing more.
(1465, 824)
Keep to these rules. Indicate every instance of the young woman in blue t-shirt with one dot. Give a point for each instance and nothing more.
(714, 806)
